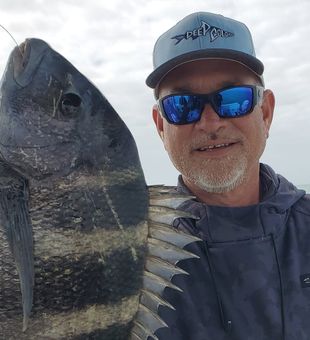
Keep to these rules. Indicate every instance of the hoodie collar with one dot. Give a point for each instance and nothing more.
(226, 224)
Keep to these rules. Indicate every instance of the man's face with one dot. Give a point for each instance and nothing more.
(215, 154)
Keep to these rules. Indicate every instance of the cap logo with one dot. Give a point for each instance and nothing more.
(204, 30)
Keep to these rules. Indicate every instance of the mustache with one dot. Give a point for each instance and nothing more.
(203, 140)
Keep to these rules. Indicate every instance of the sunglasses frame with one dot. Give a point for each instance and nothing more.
(258, 92)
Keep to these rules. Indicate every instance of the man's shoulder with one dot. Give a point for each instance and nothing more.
(303, 205)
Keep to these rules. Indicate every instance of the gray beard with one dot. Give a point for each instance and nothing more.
(215, 181)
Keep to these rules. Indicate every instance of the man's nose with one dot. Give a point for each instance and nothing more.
(209, 119)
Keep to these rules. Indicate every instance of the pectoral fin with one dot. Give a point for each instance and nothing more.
(16, 222)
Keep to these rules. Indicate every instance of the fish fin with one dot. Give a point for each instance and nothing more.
(17, 225)
(169, 200)
(139, 332)
(171, 235)
(165, 250)
(135, 336)
(148, 321)
(168, 252)
(167, 215)
(162, 268)
(156, 284)
(162, 189)
(153, 301)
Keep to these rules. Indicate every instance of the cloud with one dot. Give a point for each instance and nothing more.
(111, 42)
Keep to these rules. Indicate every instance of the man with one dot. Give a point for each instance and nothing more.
(252, 278)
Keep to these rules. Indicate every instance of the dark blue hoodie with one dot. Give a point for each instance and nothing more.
(252, 280)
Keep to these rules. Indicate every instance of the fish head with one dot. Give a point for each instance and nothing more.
(53, 119)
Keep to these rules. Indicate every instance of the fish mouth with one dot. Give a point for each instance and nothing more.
(26, 59)
(24, 49)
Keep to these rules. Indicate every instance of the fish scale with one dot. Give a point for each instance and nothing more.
(86, 248)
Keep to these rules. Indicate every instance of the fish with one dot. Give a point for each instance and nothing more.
(86, 247)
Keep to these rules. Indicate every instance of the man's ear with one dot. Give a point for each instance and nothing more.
(268, 108)
(158, 120)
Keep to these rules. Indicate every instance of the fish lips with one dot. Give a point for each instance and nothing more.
(25, 60)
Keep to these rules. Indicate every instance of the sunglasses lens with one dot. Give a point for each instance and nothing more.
(231, 102)
(234, 102)
(182, 109)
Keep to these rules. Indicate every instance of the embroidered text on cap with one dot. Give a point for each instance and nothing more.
(214, 33)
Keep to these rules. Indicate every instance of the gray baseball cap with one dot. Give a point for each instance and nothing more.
(203, 35)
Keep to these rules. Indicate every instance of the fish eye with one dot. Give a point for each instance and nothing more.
(70, 104)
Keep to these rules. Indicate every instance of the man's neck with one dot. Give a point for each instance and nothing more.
(247, 193)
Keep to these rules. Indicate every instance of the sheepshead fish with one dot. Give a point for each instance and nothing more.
(86, 248)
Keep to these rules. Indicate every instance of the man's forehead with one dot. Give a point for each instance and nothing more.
(205, 75)
(208, 66)
(193, 88)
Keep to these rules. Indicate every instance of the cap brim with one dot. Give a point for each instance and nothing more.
(247, 60)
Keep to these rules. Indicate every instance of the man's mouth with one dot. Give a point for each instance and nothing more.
(215, 146)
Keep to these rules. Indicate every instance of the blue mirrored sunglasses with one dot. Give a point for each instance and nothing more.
(229, 102)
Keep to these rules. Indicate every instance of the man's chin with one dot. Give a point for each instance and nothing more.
(217, 181)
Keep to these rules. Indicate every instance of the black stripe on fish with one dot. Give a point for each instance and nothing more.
(66, 283)
(93, 208)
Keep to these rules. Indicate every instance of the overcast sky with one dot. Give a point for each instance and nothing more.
(111, 43)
